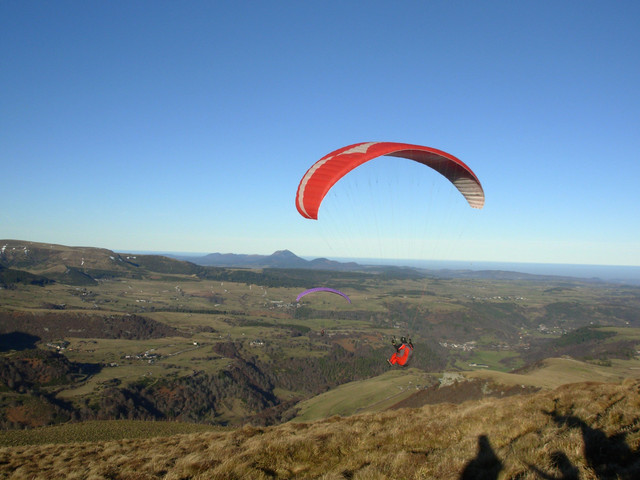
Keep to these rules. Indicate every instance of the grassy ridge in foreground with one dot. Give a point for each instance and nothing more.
(583, 430)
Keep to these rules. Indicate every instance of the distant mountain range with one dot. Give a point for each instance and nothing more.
(279, 259)
(21, 260)
(288, 259)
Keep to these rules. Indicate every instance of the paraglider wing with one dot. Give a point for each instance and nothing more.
(332, 167)
(322, 289)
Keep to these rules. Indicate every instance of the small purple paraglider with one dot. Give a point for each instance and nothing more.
(322, 289)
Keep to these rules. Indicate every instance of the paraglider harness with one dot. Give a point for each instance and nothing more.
(403, 351)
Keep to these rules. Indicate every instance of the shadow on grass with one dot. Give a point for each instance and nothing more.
(561, 463)
(610, 457)
(17, 341)
(485, 466)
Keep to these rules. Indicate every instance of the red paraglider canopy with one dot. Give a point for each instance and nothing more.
(332, 167)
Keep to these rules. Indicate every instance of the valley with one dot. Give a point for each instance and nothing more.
(148, 337)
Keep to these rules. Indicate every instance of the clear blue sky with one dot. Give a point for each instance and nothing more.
(186, 126)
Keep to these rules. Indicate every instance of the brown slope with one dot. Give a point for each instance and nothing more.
(576, 431)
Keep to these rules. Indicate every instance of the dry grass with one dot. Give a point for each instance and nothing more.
(587, 431)
(99, 430)
(555, 372)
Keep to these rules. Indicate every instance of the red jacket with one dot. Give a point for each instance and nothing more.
(402, 356)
